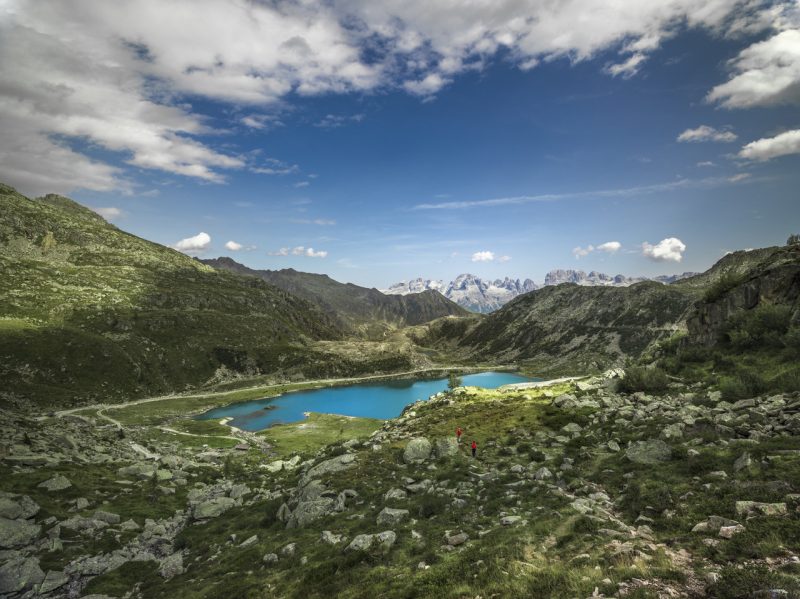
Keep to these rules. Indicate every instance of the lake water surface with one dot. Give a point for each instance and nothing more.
(383, 400)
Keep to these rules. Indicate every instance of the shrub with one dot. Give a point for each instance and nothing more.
(722, 285)
(735, 583)
(764, 325)
(649, 380)
(743, 385)
(432, 505)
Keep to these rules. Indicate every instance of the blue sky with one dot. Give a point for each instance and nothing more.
(651, 143)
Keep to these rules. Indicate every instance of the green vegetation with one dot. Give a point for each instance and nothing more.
(317, 431)
(453, 381)
(649, 380)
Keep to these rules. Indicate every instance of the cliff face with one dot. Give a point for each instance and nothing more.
(774, 280)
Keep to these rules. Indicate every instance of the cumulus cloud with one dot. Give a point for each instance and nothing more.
(233, 246)
(503, 258)
(609, 247)
(767, 148)
(483, 256)
(109, 212)
(300, 250)
(120, 75)
(706, 133)
(194, 245)
(764, 74)
(667, 250)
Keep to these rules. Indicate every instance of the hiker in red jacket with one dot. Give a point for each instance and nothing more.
(474, 448)
(458, 434)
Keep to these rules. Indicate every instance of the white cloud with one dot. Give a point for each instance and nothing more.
(739, 177)
(667, 250)
(627, 68)
(483, 256)
(767, 148)
(233, 246)
(120, 76)
(301, 184)
(194, 245)
(324, 222)
(609, 247)
(705, 163)
(109, 212)
(334, 121)
(263, 122)
(503, 258)
(764, 74)
(580, 252)
(706, 133)
(300, 250)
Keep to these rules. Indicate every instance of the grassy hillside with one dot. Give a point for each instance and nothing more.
(365, 311)
(90, 312)
(568, 328)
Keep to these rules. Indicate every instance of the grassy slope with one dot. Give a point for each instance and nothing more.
(89, 311)
(367, 311)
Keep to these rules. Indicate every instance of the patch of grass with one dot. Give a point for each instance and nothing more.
(122, 580)
(317, 431)
(649, 380)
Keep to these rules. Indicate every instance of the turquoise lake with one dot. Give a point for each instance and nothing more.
(383, 400)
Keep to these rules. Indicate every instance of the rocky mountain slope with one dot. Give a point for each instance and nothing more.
(576, 491)
(356, 308)
(89, 311)
(477, 295)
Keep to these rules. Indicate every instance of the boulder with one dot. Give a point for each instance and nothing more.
(417, 450)
(727, 532)
(213, 508)
(395, 493)
(270, 558)
(391, 516)
(17, 506)
(17, 533)
(337, 464)
(360, 543)
(307, 512)
(651, 451)
(386, 538)
(52, 581)
(57, 483)
(743, 462)
(107, 517)
(510, 520)
(445, 447)
(454, 540)
(613, 446)
(330, 538)
(171, 566)
(19, 574)
(543, 474)
(756, 508)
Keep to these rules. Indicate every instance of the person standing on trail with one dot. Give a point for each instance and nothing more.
(459, 432)
(474, 448)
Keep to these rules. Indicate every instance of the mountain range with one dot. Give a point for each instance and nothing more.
(484, 296)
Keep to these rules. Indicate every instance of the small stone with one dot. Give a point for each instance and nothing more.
(270, 558)
(456, 539)
(391, 516)
(289, 549)
(510, 520)
(727, 532)
(249, 541)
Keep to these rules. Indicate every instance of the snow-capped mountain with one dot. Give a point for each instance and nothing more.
(477, 295)
(469, 291)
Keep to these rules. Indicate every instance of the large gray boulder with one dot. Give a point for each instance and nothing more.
(417, 450)
(390, 516)
(651, 451)
(171, 566)
(57, 483)
(17, 533)
(52, 581)
(19, 574)
(307, 512)
(17, 506)
(445, 447)
(213, 508)
(337, 464)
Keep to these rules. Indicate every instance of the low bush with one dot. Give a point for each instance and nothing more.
(722, 285)
(736, 583)
(649, 380)
(432, 505)
(743, 385)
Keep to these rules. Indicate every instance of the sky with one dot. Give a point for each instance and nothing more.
(382, 140)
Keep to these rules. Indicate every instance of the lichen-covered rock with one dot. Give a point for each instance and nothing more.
(445, 447)
(307, 512)
(651, 451)
(17, 506)
(417, 450)
(391, 516)
(17, 533)
(337, 464)
(213, 508)
(57, 483)
(19, 574)
(757, 508)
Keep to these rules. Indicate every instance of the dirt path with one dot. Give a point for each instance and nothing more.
(101, 407)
